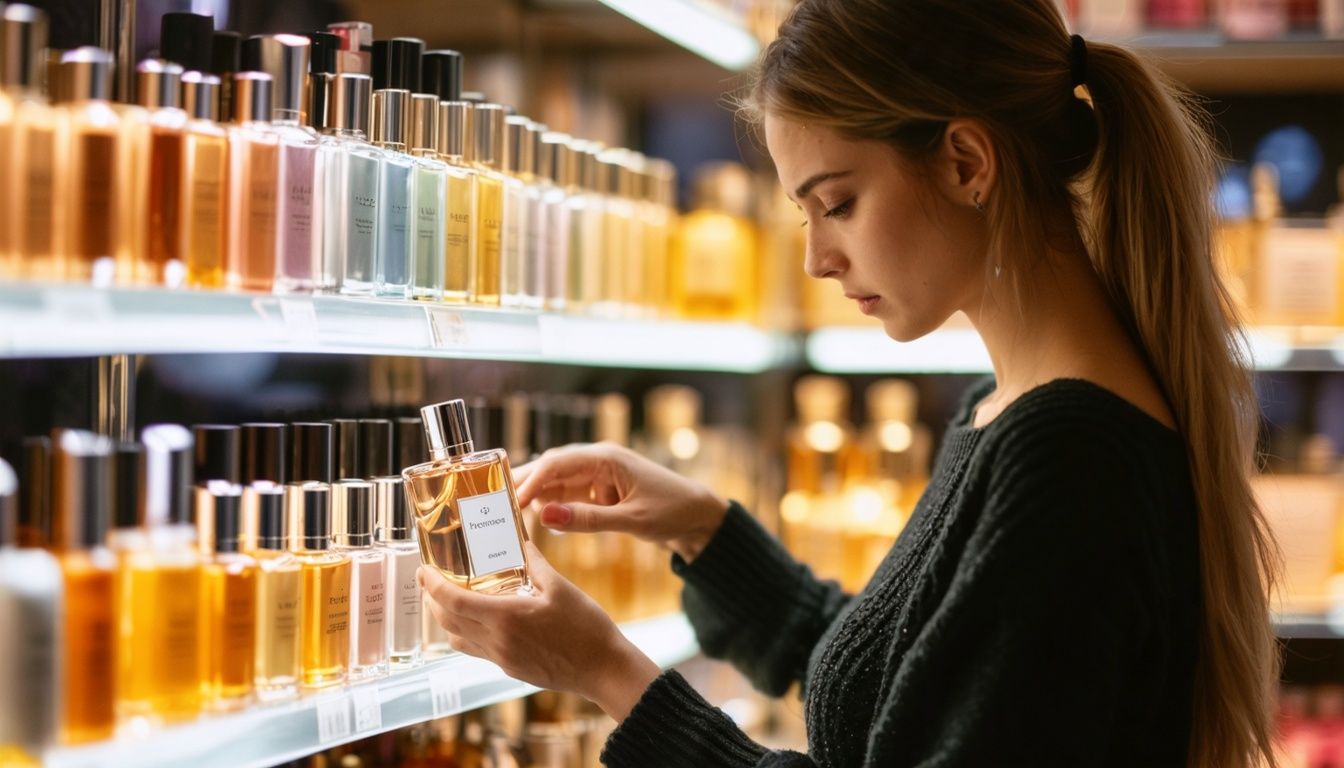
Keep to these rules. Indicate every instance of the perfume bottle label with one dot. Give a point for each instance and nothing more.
(491, 533)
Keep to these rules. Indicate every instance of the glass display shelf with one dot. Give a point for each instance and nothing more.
(74, 321)
(266, 735)
(712, 33)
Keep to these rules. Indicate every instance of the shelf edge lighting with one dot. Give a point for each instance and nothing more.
(704, 31)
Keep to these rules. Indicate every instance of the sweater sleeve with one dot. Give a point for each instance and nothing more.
(754, 606)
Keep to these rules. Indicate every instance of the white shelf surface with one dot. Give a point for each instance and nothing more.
(64, 320)
(277, 733)
(712, 33)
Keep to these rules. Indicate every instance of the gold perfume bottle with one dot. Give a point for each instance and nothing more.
(27, 148)
(278, 587)
(205, 177)
(459, 210)
(489, 161)
(159, 258)
(465, 507)
(230, 601)
(325, 581)
(254, 182)
(714, 273)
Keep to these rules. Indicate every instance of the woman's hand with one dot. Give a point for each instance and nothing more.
(606, 487)
(555, 638)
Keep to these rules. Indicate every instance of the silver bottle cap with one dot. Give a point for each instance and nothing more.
(82, 478)
(543, 162)
(252, 97)
(447, 430)
(489, 136)
(424, 122)
(519, 154)
(391, 117)
(456, 121)
(352, 513)
(391, 510)
(86, 73)
(200, 95)
(349, 108)
(23, 40)
(158, 84)
(169, 464)
(225, 514)
(590, 172)
(9, 507)
(564, 169)
(285, 59)
(264, 509)
(310, 514)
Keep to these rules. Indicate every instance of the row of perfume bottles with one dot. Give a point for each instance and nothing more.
(325, 181)
(1310, 731)
(850, 491)
(1236, 19)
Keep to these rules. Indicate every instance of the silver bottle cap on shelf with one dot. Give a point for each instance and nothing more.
(543, 161)
(264, 509)
(489, 136)
(564, 170)
(169, 466)
(285, 59)
(391, 510)
(82, 476)
(252, 97)
(320, 87)
(225, 513)
(310, 514)
(456, 121)
(391, 117)
(9, 506)
(590, 171)
(424, 122)
(349, 107)
(200, 95)
(352, 513)
(158, 84)
(447, 430)
(519, 154)
(86, 73)
(23, 40)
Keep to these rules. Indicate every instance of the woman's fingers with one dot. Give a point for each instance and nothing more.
(580, 517)
(571, 469)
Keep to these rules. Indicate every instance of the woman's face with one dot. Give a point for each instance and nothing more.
(901, 245)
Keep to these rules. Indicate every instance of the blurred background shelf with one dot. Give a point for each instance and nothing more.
(1208, 62)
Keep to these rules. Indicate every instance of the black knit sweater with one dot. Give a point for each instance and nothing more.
(1040, 608)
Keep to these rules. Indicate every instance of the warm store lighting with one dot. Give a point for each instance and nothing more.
(699, 28)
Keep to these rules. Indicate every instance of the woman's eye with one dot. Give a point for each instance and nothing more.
(840, 210)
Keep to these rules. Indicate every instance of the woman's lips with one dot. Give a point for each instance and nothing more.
(868, 303)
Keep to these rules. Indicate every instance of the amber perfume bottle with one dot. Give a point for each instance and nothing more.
(278, 589)
(158, 258)
(254, 183)
(325, 597)
(714, 260)
(28, 149)
(488, 157)
(230, 601)
(205, 176)
(465, 508)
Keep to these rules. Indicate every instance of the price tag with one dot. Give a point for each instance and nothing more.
(445, 692)
(333, 719)
(368, 710)
(447, 329)
(300, 318)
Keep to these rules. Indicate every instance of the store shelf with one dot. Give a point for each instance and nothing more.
(269, 735)
(68, 321)
(712, 33)
(1209, 62)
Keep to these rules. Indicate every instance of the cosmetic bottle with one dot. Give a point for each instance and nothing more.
(325, 582)
(230, 601)
(456, 146)
(30, 141)
(254, 184)
(350, 187)
(353, 527)
(488, 158)
(159, 259)
(203, 215)
(396, 537)
(558, 166)
(279, 611)
(429, 189)
(98, 181)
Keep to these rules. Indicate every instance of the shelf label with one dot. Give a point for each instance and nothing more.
(333, 719)
(491, 532)
(368, 709)
(445, 692)
(447, 329)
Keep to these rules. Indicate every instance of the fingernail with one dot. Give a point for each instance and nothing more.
(556, 514)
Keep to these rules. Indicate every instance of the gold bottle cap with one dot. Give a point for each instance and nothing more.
(456, 121)
(23, 38)
(594, 176)
(86, 73)
(352, 513)
(224, 502)
(158, 84)
(350, 95)
(391, 117)
(264, 514)
(611, 169)
(9, 506)
(723, 187)
(489, 136)
(200, 95)
(543, 160)
(821, 398)
(309, 507)
(82, 484)
(447, 429)
(564, 169)
(519, 152)
(169, 463)
(252, 97)
(424, 122)
(285, 59)
(392, 513)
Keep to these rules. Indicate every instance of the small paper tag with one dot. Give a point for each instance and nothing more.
(368, 709)
(445, 692)
(333, 719)
(491, 532)
(448, 330)
(300, 318)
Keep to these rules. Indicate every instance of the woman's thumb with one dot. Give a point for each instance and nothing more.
(579, 517)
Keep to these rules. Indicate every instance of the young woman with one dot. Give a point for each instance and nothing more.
(1084, 581)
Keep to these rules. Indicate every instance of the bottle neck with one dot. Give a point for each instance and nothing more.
(452, 451)
(346, 133)
(393, 146)
(291, 117)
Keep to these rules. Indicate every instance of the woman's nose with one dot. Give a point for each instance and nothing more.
(822, 260)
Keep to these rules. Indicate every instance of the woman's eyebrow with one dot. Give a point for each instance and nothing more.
(814, 180)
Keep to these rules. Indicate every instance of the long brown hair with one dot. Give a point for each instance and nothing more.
(1129, 172)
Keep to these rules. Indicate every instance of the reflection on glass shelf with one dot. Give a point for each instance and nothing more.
(711, 33)
(278, 733)
(670, 345)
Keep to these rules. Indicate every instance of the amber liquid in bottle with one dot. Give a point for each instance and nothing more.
(163, 245)
(203, 214)
(489, 231)
(91, 230)
(458, 239)
(160, 660)
(89, 654)
(231, 613)
(33, 212)
(254, 178)
(326, 617)
(277, 638)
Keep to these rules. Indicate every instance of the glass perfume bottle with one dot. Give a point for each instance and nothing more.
(618, 235)
(205, 179)
(29, 133)
(254, 181)
(396, 537)
(588, 250)
(98, 180)
(513, 244)
(488, 157)
(559, 166)
(537, 238)
(658, 211)
(392, 260)
(230, 601)
(429, 179)
(30, 608)
(466, 512)
(349, 187)
(459, 210)
(713, 272)
(82, 493)
(285, 59)
(325, 598)
(353, 525)
(278, 588)
(159, 259)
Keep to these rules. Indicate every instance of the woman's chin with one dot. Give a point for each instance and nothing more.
(905, 329)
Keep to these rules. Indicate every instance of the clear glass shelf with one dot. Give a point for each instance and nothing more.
(277, 733)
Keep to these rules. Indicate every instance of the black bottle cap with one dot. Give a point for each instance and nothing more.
(310, 504)
(263, 453)
(9, 506)
(35, 490)
(264, 503)
(225, 47)
(226, 515)
(441, 75)
(168, 469)
(375, 448)
(396, 63)
(323, 53)
(346, 439)
(311, 448)
(408, 443)
(392, 515)
(216, 453)
(186, 39)
(352, 513)
(129, 502)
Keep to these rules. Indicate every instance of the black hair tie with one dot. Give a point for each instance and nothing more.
(1078, 60)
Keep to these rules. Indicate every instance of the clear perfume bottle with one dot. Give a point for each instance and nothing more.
(617, 228)
(488, 157)
(391, 113)
(559, 168)
(349, 188)
(459, 210)
(285, 59)
(429, 179)
(230, 601)
(658, 212)
(466, 512)
(513, 245)
(587, 247)
(396, 537)
(325, 581)
(159, 259)
(205, 169)
(353, 525)
(254, 183)
(276, 664)
(537, 238)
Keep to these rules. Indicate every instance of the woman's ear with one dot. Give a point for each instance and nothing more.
(968, 165)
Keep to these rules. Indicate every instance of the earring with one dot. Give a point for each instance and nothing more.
(979, 206)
